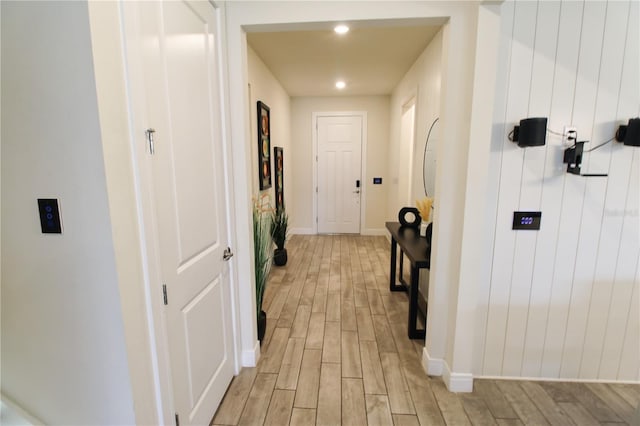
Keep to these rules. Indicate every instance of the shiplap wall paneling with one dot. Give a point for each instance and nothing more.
(629, 366)
(527, 300)
(512, 163)
(555, 223)
(614, 159)
(500, 130)
(623, 310)
(563, 301)
(564, 58)
(572, 236)
(610, 19)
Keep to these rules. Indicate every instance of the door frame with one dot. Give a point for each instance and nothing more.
(154, 306)
(363, 162)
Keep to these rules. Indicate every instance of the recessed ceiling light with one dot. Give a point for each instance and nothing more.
(341, 29)
(341, 84)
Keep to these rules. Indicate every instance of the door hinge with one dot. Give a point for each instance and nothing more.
(149, 135)
(177, 420)
(316, 219)
(164, 294)
(316, 189)
(316, 158)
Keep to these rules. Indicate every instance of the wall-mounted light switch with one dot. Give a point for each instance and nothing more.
(526, 220)
(49, 216)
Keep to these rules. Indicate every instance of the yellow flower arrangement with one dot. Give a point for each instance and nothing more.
(424, 207)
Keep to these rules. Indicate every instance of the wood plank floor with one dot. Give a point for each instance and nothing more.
(336, 351)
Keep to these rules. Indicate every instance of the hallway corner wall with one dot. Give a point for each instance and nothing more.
(266, 88)
(64, 355)
(377, 108)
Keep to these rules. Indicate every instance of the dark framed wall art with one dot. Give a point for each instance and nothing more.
(264, 146)
(278, 164)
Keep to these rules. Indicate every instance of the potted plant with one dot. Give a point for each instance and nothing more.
(262, 257)
(279, 222)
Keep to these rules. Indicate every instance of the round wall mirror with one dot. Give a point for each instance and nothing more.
(429, 160)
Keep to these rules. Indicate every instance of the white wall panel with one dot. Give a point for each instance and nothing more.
(593, 73)
(610, 191)
(549, 242)
(493, 179)
(561, 301)
(579, 201)
(527, 356)
(502, 298)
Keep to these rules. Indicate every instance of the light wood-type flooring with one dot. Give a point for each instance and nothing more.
(336, 351)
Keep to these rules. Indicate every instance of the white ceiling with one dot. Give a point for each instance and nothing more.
(370, 59)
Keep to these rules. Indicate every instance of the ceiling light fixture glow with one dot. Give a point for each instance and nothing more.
(341, 84)
(341, 29)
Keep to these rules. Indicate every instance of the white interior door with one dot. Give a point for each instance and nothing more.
(339, 174)
(183, 105)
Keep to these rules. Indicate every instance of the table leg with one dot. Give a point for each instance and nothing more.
(392, 268)
(414, 333)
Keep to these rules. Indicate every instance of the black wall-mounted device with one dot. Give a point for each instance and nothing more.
(531, 132)
(49, 216)
(526, 220)
(377, 181)
(573, 158)
(629, 134)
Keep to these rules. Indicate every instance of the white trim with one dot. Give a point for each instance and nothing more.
(363, 162)
(223, 88)
(456, 382)
(374, 231)
(156, 315)
(433, 366)
(558, 379)
(302, 231)
(411, 100)
(250, 358)
(158, 340)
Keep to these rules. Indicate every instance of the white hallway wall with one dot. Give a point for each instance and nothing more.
(63, 346)
(377, 108)
(424, 79)
(466, 107)
(266, 88)
(563, 302)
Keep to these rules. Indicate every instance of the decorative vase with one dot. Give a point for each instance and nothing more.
(280, 257)
(262, 325)
(423, 229)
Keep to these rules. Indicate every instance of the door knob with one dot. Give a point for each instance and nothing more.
(356, 191)
(228, 254)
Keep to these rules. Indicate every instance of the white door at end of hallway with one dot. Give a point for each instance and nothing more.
(339, 174)
(183, 105)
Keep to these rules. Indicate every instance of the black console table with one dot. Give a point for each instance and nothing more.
(418, 252)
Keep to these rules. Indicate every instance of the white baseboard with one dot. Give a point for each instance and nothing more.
(374, 231)
(433, 366)
(251, 357)
(457, 382)
(558, 379)
(301, 231)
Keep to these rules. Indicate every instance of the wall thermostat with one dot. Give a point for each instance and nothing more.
(526, 220)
